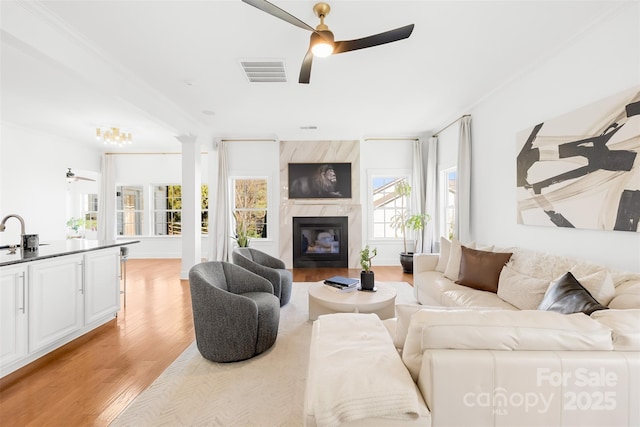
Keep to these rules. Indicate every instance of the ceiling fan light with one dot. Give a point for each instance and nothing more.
(322, 50)
(322, 43)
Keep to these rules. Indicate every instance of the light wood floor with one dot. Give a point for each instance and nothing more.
(92, 379)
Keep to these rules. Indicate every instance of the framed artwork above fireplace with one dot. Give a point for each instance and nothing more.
(319, 180)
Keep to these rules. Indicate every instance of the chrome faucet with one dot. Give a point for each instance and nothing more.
(4, 220)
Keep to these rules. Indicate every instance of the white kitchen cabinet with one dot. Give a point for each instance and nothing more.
(56, 296)
(102, 289)
(13, 315)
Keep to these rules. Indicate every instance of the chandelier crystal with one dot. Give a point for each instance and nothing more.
(113, 136)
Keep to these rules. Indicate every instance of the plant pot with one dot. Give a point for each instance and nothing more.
(367, 280)
(406, 260)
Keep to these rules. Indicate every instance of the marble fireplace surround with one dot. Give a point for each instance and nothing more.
(320, 152)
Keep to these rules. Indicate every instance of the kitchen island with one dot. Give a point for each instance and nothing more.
(54, 295)
(57, 248)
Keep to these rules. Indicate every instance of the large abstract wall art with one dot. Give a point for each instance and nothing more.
(581, 170)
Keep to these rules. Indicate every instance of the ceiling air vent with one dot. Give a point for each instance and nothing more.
(264, 71)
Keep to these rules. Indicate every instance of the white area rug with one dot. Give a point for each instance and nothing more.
(267, 390)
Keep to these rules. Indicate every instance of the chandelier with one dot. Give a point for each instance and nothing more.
(113, 136)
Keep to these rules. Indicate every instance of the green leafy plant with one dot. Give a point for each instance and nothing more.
(242, 233)
(366, 255)
(403, 219)
(75, 223)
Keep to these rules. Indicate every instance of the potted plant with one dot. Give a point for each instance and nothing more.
(242, 233)
(404, 220)
(367, 277)
(75, 228)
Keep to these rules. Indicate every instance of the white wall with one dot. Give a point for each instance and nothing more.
(33, 180)
(380, 157)
(261, 159)
(602, 62)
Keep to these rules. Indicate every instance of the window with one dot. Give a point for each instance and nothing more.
(386, 204)
(90, 211)
(448, 192)
(167, 210)
(129, 210)
(250, 206)
(204, 209)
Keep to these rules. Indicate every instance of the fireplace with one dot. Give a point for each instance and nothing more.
(320, 241)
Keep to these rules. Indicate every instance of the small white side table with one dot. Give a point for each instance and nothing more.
(325, 301)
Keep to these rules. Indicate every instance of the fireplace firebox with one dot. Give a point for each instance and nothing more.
(320, 242)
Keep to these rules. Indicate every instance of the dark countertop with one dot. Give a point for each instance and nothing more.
(58, 248)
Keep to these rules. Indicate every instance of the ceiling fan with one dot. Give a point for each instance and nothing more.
(71, 177)
(322, 42)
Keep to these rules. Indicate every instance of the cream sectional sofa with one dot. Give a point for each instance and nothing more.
(468, 357)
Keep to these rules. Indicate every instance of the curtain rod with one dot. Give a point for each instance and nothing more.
(144, 154)
(450, 124)
(248, 140)
(392, 139)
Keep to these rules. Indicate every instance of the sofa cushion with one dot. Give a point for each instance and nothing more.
(403, 319)
(481, 269)
(520, 290)
(566, 295)
(453, 263)
(501, 330)
(445, 248)
(625, 325)
(440, 291)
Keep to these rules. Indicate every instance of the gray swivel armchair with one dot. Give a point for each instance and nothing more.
(268, 267)
(235, 313)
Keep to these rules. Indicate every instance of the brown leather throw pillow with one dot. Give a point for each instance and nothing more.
(566, 295)
(481, 269)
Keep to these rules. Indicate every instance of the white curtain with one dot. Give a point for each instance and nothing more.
(463, 183)
(430, 232)
(417, 192)
(107, 200)
(220, 225)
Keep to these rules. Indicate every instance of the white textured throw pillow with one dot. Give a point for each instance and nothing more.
(599, 285)
(520, 290)
(455, 254)
(445, 248)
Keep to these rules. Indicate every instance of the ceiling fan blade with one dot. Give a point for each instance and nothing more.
(375, 40)
(305, 69)
(84, 179)
(274, 10)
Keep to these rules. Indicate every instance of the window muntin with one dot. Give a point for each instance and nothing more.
(386, 204)
(167, 212)
(204, 209)
(250, 206)
(129, 210)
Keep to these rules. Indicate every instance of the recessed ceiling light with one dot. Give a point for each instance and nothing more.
(310, 127)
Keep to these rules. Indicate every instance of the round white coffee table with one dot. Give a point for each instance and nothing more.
(326, 301)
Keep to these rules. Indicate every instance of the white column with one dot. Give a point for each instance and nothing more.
(191, 205)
